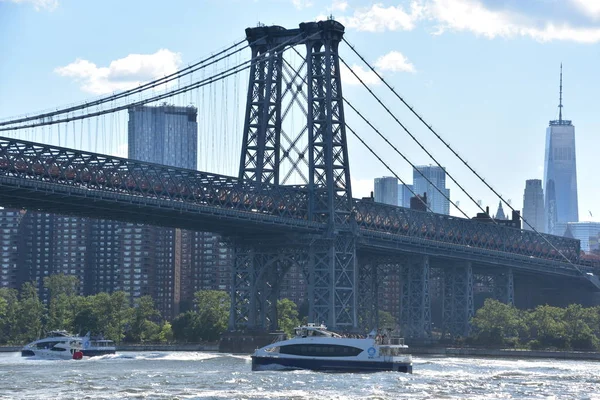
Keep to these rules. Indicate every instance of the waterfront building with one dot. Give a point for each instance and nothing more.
(437, 176)
(386, 190)
(404, 195)
(560, 172)
(533, 205)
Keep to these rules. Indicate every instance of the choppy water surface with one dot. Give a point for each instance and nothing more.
(186, 375)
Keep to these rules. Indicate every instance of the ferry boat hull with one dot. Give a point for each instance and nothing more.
(316, 348)
(276, 363)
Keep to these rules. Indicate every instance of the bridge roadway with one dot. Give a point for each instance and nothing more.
(72, 182)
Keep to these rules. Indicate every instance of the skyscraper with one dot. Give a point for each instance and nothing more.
(533, 205)
(560, 172)
(152, 256)
(165, 135)
(404, 195)
(386, 190)
(437, 176)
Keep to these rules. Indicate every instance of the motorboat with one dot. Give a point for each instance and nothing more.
(314, 347)
(61, 344)
(97, 346)
(57, 345)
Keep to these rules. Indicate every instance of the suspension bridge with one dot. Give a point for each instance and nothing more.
(291, 202)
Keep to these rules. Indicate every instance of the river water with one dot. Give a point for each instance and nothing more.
(190, 375)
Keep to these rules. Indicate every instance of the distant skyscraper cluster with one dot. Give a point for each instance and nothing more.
(427, 180)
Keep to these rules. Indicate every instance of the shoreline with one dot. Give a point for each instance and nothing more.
(420, 351)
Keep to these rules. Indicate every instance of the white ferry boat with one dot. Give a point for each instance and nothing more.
(57, 345)
(66, 346)
(316, 348)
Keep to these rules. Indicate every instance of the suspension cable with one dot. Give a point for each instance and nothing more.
(214, 78)
(388, 167)
(403, 156)
(457, 155)
(148, 85)
(414, 139)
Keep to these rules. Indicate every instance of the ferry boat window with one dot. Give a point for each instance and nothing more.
(320, 350)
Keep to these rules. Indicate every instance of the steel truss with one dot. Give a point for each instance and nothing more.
(332, 260)
(257, 275)
(458, 306)
(415, 317)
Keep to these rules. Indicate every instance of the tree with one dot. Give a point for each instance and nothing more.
(9, 300)
(186, 327)
(142, 326)
(287, 313)
(29, 315)
(496, 321)
(62, 290)
(386, 320)
(213, 311)
(546, 323)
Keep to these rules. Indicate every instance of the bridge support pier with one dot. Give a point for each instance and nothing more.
(457, 299)
(415, 317)
(504, 287)
(256, 279)
(332, 282)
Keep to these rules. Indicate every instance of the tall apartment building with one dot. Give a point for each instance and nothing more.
(386, 190)
(560, 173)
(437, 176)
(533, 205)
(166, 135)
(9, 240)
(36, 249)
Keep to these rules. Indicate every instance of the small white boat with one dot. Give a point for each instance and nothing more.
(57, 345)
(316, 348)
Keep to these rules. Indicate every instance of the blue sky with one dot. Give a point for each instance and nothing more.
(484, 73)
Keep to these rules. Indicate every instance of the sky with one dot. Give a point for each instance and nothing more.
(483, 73)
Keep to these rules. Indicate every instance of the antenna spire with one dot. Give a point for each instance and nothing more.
(560, 98)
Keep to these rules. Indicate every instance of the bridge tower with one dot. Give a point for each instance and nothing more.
(329, 259)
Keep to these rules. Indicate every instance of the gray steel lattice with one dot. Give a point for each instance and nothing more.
(458, 306)
(415, 317)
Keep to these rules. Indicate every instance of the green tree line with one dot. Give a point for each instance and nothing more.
(24, 317)
(544, 327)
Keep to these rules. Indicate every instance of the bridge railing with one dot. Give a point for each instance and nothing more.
(98, 172)
(465, 232)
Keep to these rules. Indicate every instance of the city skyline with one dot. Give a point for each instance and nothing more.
(502, 96)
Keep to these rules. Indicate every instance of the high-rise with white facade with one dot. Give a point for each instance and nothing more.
(437, 176)
(386, 190)
(560, 173)
(533, 205)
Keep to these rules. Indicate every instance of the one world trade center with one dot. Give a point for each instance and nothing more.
(560, 173)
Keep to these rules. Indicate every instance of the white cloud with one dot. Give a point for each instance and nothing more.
(473, 16)
(378, 18)
(121, 74)
(589, 7)
(339, 5)
(300, 4)
(367, 76)
(394, 61)
(38, 5)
